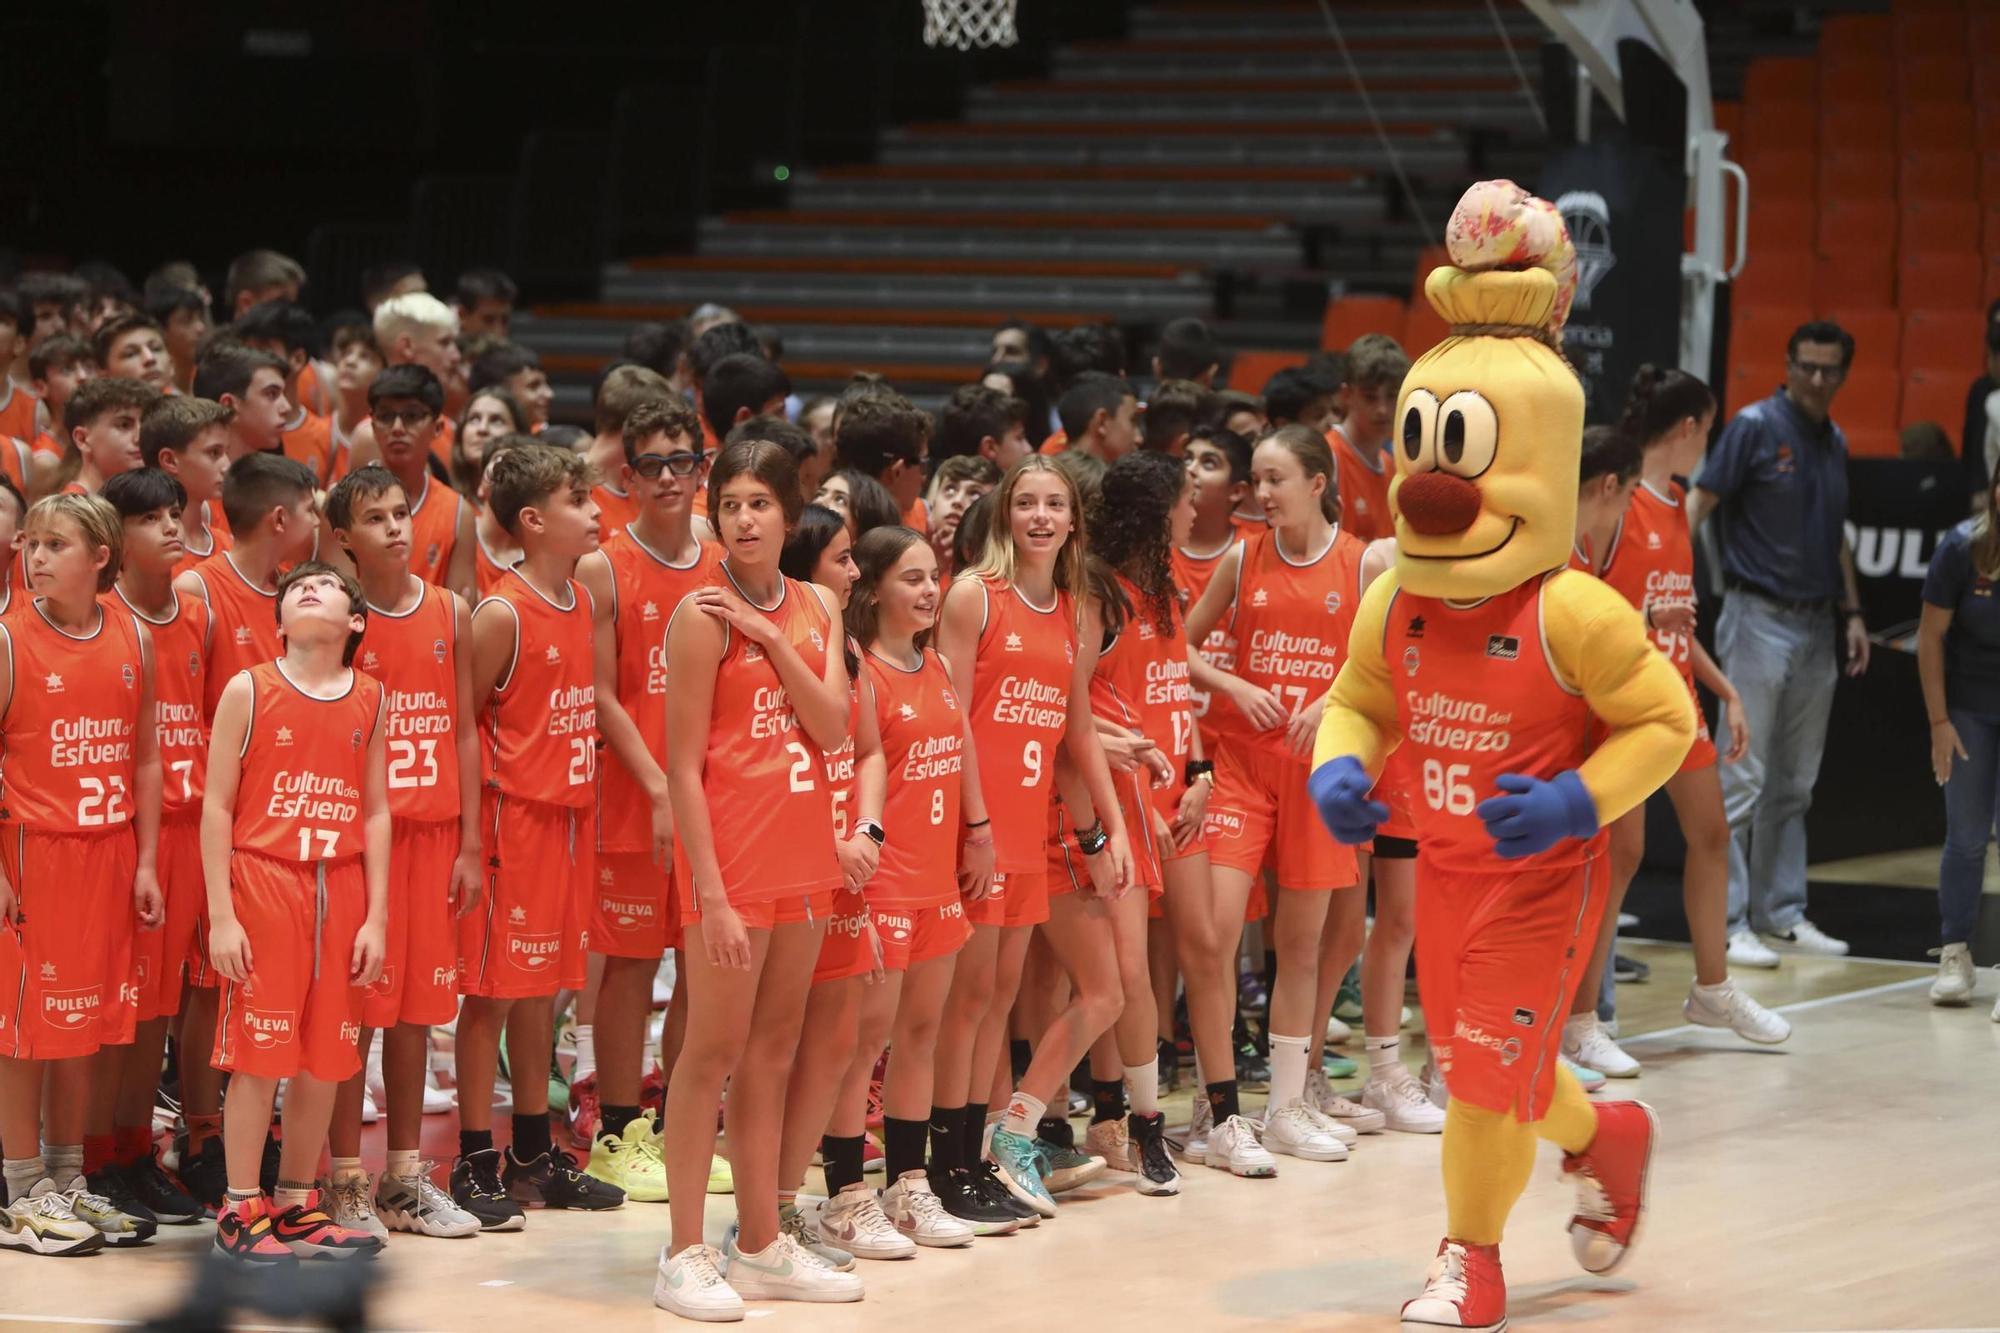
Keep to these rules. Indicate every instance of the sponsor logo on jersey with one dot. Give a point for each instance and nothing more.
(627, 913)
(48, 971)
(1221, 822)
(444, 976)
(1410, 660)
(268, 1027)
(354, 741)
(350, 1033)
(532, 953)
(908, 713)
(1503, 646)
(1652, 541)
(1013, 643)
(438, 649)
(1524, 1018)
(517, 916)
(52, 683)
(752, 653)
(650, 611)
(817, 641)
(555, 653)
(605, 875)
(242, 635)
(895, 925)
(1333, 603)
(370, 662)
(1415, 629)
(1260, 598)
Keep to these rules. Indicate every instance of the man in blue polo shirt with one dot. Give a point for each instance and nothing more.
(1777, 482)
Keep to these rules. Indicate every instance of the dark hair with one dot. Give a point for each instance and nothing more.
(1228, 402)
(1608, 452)
(523, 477)
(8, 487)
(971, 414)
(1087, 395)
(163, 303)
(1234, 447)
(58, 351)
(875, 554)
(1375, 359)
(770, 340)
(409, 380)
(1033, 393)
(283, 322)
(227, 366)
(778, 431)
(107, 282)
(176, 421)
(731, 338)
(357, 487)
(737, 382)
(484, 284)
(811, 534)
(255, 269)
(111, 330)
(670, 416)
(39, 287)
(1098, 347)
(139, 492)
(565, 437)
(1040, 345)
(658, 347)
(1187, 350)
(15, 311)
(1822, 331)
(500, 362)
(878, 428)
(93, 398)
(869, 503)
(256, 484)
(1291, 391)
(1129, 535)
(377, 279)
(1310, 448)
(357, 604)
(973, 524)
(620, 390)
(1172, 411)
(1661, 397)
(769, 463)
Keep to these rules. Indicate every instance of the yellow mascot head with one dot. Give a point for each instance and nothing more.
(1489, 423)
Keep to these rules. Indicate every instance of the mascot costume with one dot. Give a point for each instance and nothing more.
(1534, 711)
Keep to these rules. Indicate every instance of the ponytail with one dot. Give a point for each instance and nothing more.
(1661, 397)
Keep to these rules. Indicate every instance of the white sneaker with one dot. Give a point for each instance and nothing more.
(1807, 938)
(1348, 1120)
(915, 1211)
(1112, 1141)
(786, 1271)
(1403, 1103)
(1295, 1131)
(1996, 1011)
(690, 1285)
(1233, 1146)
(853, 1220)
(1191, 1145)
(1434, 1086)
(1731, 1008)
(1956, 977)
(416, 1205)
(347, 1203)
(1337, 1032)
(437, 1100)
(370, 1108)
(1747, 949)
(1585, 1043)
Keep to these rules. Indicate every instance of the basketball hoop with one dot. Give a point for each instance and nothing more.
(965, 24)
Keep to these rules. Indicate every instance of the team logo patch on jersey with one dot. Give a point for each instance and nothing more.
(1260, 598)
(650, 611)
(438, 649)
(242, 635)
(949, 702)
(355, 741)
(555, 653)
(517, 916)
(284, 736)
(370, 662)
(48, 971)
(604, 875)
(52, 683)
(1013, 643)
(908, 713)
(1333, 603)
(431, 553)
(1652, 541)
(1410, 661)
(194, 663)
(752, 653)
(1415, 629)
(1069, 652)
(129, 676)
(1503, 646)
(817, 641)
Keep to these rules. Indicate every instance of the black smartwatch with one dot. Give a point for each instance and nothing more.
(1197, 768)
(871, 830)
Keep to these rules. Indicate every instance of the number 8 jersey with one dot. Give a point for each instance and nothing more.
(69, 759)
(415, 657)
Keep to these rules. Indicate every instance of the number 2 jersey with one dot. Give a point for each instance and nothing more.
(1020, 709)
(69, 757)
(414, 656)
(304, 762)
(538, 732)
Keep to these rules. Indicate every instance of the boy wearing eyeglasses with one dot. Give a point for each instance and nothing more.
(405, 403)
(635, 581)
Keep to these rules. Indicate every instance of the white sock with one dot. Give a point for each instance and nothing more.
(1385, 1057)
(403, 1164)
(1023, 1112)
(344, 1167)
(23, 1174)
(586, 1053)
(1720, 990)
(65, 1162)
(1288, 1070)
(1577, 1026)
(1142, 1089)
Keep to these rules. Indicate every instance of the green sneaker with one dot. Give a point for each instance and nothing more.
(1347, 1002)
(1063, 1166)
(1020, 1168)
(1338, 1066)
(631, 1161)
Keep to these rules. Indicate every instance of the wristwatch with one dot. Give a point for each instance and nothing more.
(870, 830)
(1090, 841)
(1198, 768)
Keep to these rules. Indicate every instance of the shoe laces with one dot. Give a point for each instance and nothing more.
(54, 1207)
(1403, 1086)
(926, 1205)
(1153, 1153)
(1447, 1280)
(1592, 1203)
(1020, 1152)
(350, 1196)
(430, 1199)
(698, 1262)
(869, 1220)
(482, 1175)
(1298, 1115)
(792, 1221)
(799, 1254)
(90, 1199)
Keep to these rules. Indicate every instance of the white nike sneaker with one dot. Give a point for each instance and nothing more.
(1403, 1103)
(1806, 938)
(1585, 1043)
(1434, 1086)
(1191, 1144)
(916, 1212)
(1337, 1032)
(1733, 1009)
(1294, 1130)
(1591, 1079)
(1956, 976)
(690, 1284)
(853, 1219)
(1746, 949)
(786, 1271)
(1111, 1140)
(1233, 1146)
(1325, 1103)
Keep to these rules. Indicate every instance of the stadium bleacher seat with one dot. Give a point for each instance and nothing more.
(1871, 396)
(1859, 126)
(1877, 330)
(1870, 441)
(1850, 222)
(1777, 277)
(1940, 278)
(1348, 317)
(1782, 174)
(1855, 278)
(1940, 222)
(1781, 78)
(1942, 337)
(1935, 395)
(1856, 172)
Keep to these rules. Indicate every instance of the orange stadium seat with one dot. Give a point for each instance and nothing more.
(1944, 78)
(1857, 173)
(1776, 278)
(1780, 78)
(1859, 126)
(1877, 330)
(1855, 222)
(1935, 125)
(1855, 278)
(1782, 174)
(1943, 337)
(1429, 258)
(1780, 223)
(1729, 119)
(1989, 230)
(1924, 36)
(1784, 126)
(1938, 171)
(1757, 334)
(1871, 396)
(1862, 37)
(1869, 441)
(1934, 222)
(1248, 369)
(1348, 317)
(1423, 328)
(1750, 381)
(1941, 278)
(1935, 395)
(1989, 177)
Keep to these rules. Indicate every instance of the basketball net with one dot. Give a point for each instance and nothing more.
(965, 24)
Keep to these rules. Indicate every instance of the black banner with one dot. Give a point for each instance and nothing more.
(1896, 510)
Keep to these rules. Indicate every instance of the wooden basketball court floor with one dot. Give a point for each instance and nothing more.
(1843, 1181)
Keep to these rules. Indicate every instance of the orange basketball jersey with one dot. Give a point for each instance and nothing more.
(1478, 696)
(67, 758)
(1364, 489)
(1142, 682)
(308, 439)
(1651, 562)
(646, 588)
(299, 796)
(415, 658)
(180, 677)
(764, 778)
(218, 541)
(538, 733)
(245, 624)
(433, 529)
(1020, 708)
(615, 508)
(16, 460)
(487, 571)
(1192, 575)
(839, 765)
(17, 409)
(923, 744)
(1291, 621)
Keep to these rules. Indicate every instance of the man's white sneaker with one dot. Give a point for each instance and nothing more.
(690, 1285)
(1585, 1043)
(1956, 977)
(1191, 1145)
(853, 1220)
(1349, 1118)
(1746, 949)
(1295, 1130)
(1806, 938)
(1727, 1006)
(915, 1211)
(784, 1270)
(1233, 1146)
(1403, 1103)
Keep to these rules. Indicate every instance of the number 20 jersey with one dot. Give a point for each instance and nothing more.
(415, 657)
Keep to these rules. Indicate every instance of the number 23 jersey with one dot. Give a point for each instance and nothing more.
(415, 657)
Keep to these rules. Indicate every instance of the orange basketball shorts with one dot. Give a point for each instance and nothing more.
(1499, 958)
(1259, 806)
(1016, 899)
(527, 936)
(789, 910)
(160, 957)
(844, 950)
(419, 981)
(912, 935)
(66, 971)
(633, 910)
(297, 1013)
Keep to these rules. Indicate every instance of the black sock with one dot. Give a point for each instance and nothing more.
(1019, 1053)
(531, 1136)
(1222, 1100)
(471, 1141)
(615, 1119)
(947, 1129)
(903, 1145)
(974, 1146)
(1107, 1098)
(1054, 1129)
(843, 1162)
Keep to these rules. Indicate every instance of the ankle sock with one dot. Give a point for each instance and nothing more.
(64, 1160)
(1056, 1130)
(1022, 1113)
(1107, 1099)
(903, 1145)
(531, 1136)
(1020, 1053)
(23, 1174)
(586, 1053)
(1222, 1101)
(842, 1156)
(471, 1141)
(1385, 1057)
(1288, 1070)
(1142, 1087)
(974, 1146)
(403, 1164)
(291, 1194)
(133, 1143)
(343, 1167)
(615, 1119)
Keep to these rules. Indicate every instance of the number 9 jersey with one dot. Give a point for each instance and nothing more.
(1020, 709)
